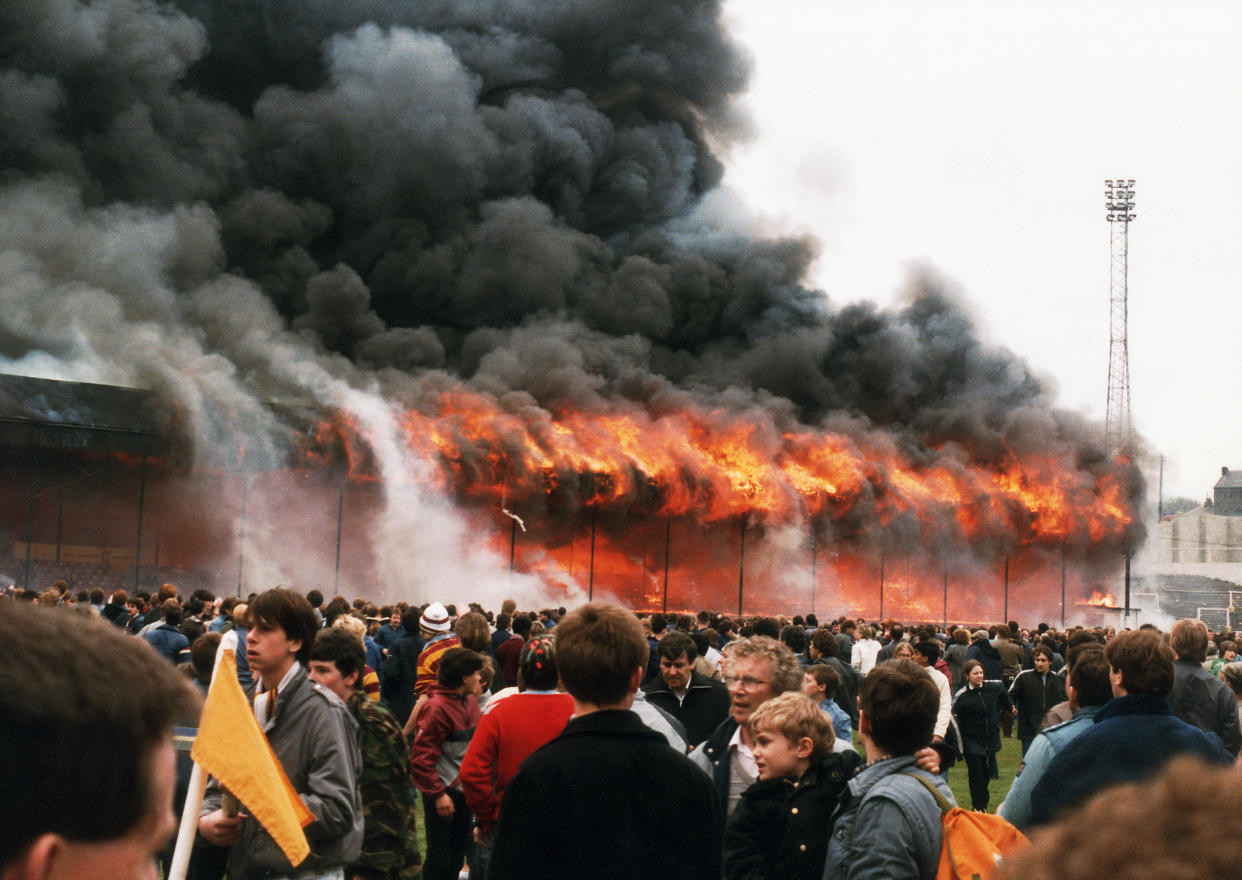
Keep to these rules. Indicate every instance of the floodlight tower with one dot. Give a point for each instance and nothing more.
(1119, 200)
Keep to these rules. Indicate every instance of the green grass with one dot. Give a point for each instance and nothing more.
(1008, 760)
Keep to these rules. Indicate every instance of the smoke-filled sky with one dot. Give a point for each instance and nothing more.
(976, 137)
(360, 205)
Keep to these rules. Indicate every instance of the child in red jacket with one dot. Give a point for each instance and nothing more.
(445, 727)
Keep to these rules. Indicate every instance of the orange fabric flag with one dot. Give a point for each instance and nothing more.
(231, 747)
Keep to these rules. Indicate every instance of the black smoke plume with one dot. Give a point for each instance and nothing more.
(240, 202)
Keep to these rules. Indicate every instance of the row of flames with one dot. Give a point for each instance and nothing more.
(715, 465)
(702, 487)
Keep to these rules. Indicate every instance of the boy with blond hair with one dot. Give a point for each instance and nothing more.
(780, 826)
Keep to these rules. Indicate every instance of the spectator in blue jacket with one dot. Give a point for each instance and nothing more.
(166, 638)
(1133, 736)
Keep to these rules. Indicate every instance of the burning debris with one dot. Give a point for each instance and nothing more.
(479, 240)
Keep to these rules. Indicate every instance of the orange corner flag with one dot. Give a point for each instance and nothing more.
(231, 747)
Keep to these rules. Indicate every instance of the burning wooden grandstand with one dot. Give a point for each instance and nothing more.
(680, 509)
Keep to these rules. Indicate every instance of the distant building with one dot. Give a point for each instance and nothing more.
(1194, 559)
(1227, 494)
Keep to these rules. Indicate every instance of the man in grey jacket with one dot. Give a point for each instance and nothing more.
(889, 827)
(316, 741)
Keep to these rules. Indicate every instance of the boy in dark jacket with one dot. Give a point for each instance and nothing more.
(781, 826)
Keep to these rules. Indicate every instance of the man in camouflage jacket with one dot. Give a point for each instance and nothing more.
(390, 839)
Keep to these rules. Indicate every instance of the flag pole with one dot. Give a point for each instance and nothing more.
(197, 788)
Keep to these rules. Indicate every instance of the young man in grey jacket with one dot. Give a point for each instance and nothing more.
(316, 741)
(889, 828)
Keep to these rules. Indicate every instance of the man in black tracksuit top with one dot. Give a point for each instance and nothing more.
(1033, 692)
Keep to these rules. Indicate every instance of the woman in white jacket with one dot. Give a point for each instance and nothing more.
(862, 657)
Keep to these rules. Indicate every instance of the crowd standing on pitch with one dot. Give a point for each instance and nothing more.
(600, 742)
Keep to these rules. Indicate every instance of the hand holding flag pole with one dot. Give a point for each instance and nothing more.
(231, 747)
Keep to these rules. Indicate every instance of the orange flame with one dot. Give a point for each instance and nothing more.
(1100, 600)
(685, 507)
(715, 465)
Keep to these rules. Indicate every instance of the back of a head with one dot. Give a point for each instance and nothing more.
(537, 665)
(409, 620)
(1232, 673)
(203, 655)
(91, 704)
(900, 703)
(1189, 640)
(287, 610)
(521, 625)
(170, 610)
(599, 647)
(1144, 661)
(823, 641)
(351, 625)
(1089, 676)
(767, 626)
(473, 632)
(795, 637)
(1184, 822)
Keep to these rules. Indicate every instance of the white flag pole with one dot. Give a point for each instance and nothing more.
(198, 785)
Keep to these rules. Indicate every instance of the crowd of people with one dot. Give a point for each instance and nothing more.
(595, 742)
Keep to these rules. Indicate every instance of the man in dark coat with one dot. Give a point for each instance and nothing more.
(400, 668)
(1133, 736)
(571, 809)
(698, 702)
(1198, 697)
(823, 649)
(166, 638)
(987, 655)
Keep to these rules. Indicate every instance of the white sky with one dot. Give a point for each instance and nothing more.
(975, 138)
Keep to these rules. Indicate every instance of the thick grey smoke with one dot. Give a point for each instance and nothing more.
(245, 201)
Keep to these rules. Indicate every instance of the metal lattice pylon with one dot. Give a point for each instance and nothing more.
(1118, 432)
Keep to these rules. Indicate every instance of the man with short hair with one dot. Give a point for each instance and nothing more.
(1133, 735)
(167, 639)
(824, 649)
(570, 811)
(1199, 697)
(390, 630)
(1088, 689)
(390, 837)
(845, 640)
(1033, 693)
(756, 670)
(897, 634)
(509, 652)
(698, 702)
(401, 667)
(501, 632)
(890, 827)
(95, 801)
(313, 736)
